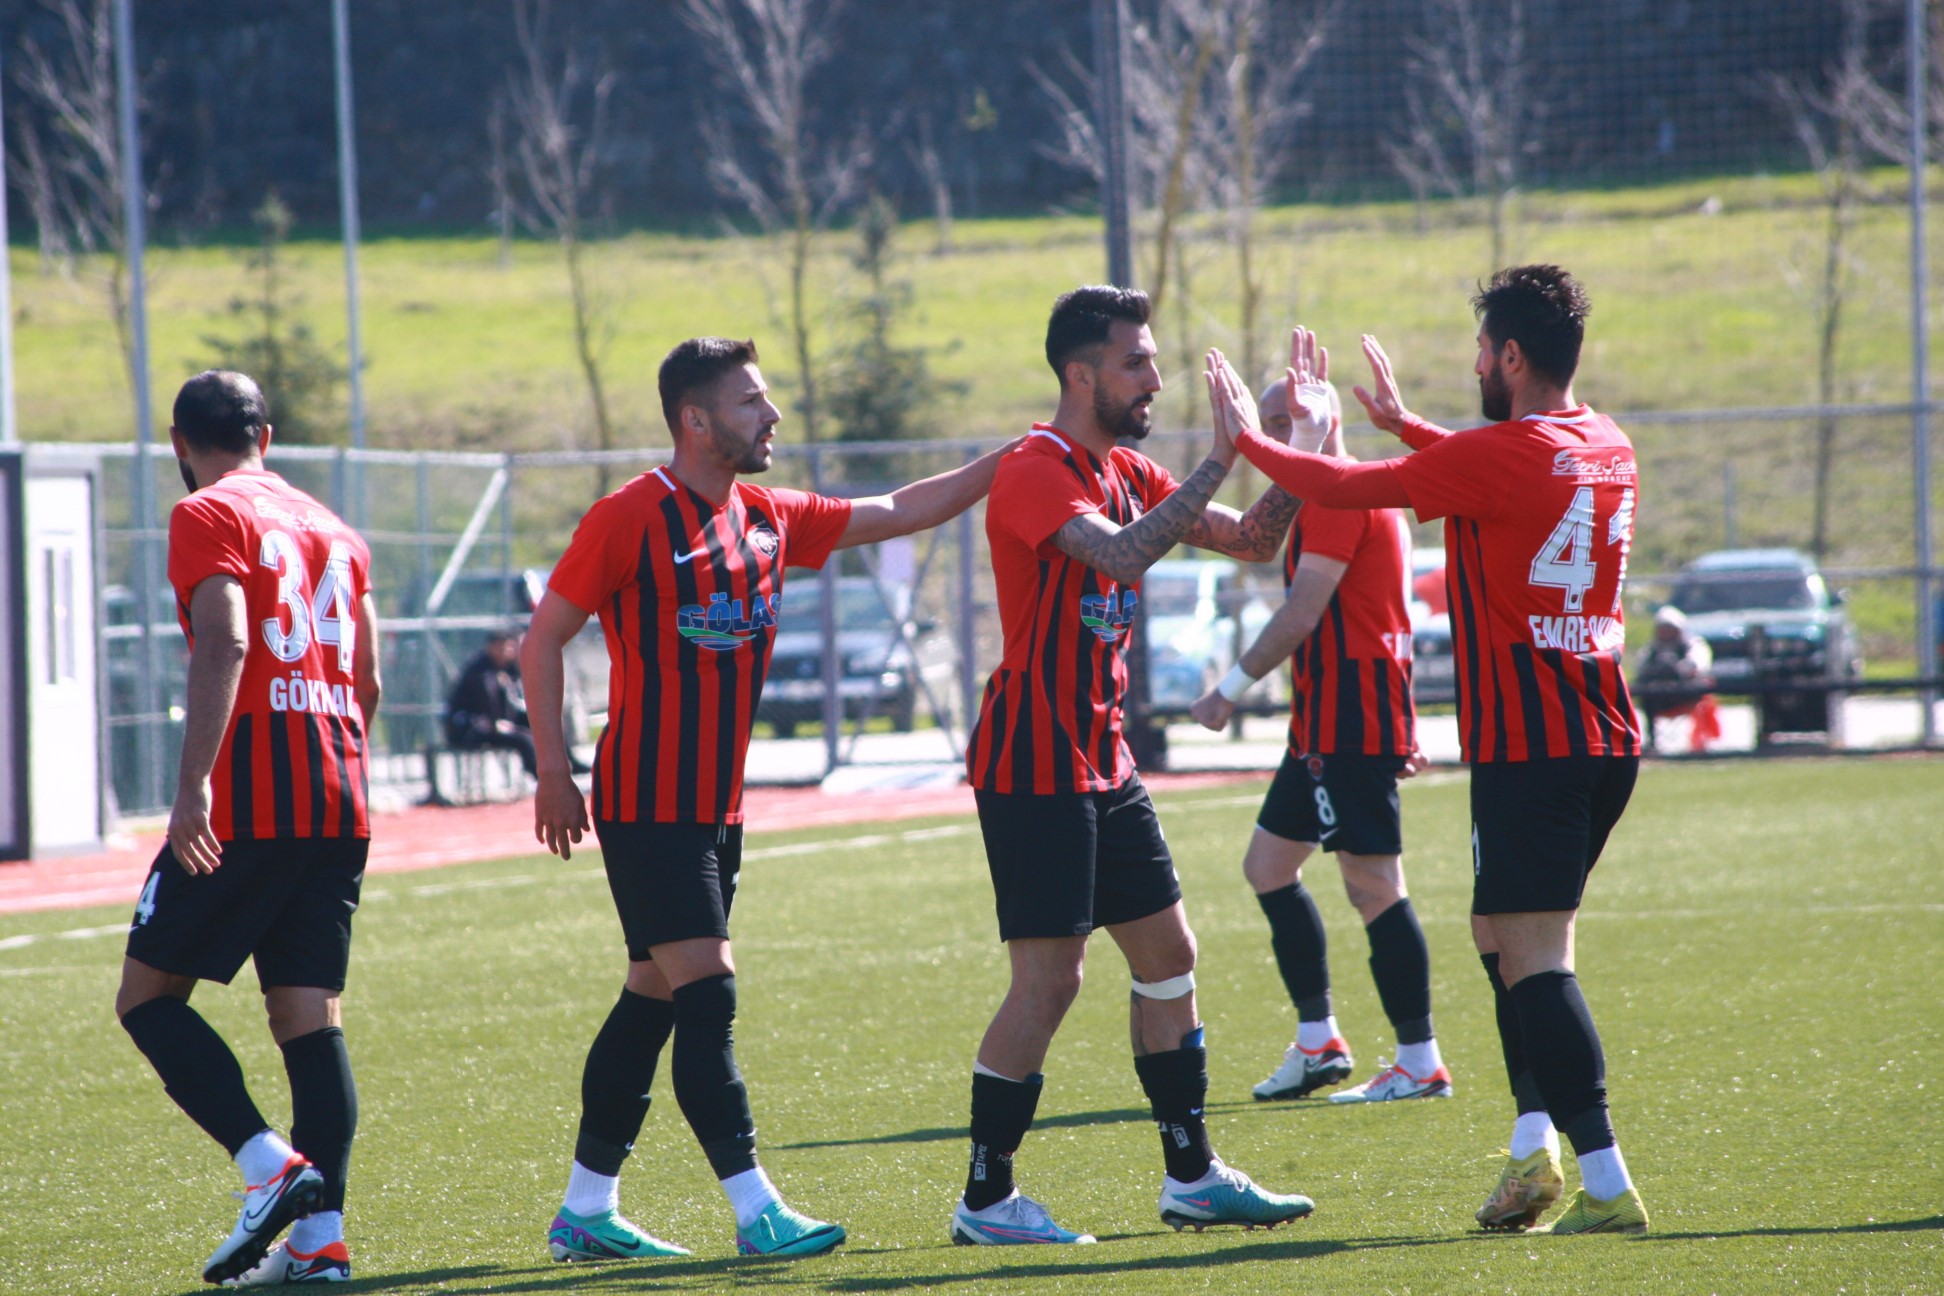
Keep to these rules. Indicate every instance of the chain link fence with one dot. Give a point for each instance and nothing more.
(461, 545)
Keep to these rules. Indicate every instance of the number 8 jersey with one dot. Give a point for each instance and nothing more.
(1538, 522)
(292, 762)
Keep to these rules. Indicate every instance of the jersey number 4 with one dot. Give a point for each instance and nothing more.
(1565, 560)
(323, 614)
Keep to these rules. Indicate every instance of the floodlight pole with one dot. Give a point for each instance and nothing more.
(1927, 615)
(1148, 741)
(9, 429)
(348, 210)
(1110, 58)
(134, 238)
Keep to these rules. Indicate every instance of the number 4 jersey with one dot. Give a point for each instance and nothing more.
(1538, 521)
(292, 763)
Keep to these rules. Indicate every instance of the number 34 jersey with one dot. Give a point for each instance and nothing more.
(1539, 516)
(292, 762)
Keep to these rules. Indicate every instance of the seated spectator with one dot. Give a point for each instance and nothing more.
(1678, 669)
(485, 708)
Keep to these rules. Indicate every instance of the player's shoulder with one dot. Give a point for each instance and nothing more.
(1045, 450)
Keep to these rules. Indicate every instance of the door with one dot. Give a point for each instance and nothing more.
(64, 768)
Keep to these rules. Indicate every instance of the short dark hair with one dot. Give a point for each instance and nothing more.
(221, 410)
(696, 364)
(1544, 310)
(1082, 319)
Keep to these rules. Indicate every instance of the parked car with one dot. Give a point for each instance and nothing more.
(878, 673)
(1769, 618)
(1192, 607)
(1432, 677)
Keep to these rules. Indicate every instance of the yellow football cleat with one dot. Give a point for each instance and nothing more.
(1588, 1214)
(1527, 1188)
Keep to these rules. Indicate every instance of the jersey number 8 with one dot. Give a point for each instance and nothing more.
(325, 614)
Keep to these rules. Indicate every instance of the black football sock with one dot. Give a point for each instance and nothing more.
(1302, 950)
(1400, 963)
(615, 1082)
(1002, 1112)
(1564, 1052)
(1525, 1090)
(707, 1084)
(197, 1069)
(323, 1107)
(1176, 1083)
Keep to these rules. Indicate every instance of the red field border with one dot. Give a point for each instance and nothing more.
(426, 837)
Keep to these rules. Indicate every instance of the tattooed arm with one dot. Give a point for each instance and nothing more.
(1253, 536)
(1124, 554)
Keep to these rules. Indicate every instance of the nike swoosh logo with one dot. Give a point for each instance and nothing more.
(682, 558)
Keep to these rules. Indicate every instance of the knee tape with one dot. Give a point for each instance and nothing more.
(1172, 988)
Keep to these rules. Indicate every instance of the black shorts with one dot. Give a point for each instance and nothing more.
(671, 881)
(1343, 803)
(286, 902)
(1065, 863)
(1538, 828)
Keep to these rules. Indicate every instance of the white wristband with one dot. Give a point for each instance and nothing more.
(1235, 683)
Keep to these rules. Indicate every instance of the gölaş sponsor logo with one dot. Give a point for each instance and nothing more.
(1109, 615)
(722, 625)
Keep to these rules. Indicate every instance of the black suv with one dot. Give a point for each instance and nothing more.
(1769, 618)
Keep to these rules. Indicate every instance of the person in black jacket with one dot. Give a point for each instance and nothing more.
(485, 708)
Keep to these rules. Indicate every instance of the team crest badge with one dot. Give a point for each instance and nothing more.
(1316, 766)
(766, 541)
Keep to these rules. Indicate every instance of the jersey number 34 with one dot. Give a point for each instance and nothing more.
(323, 614)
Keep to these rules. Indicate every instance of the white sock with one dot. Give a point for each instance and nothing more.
(589, 1193)
(264, 1155)
(315, 1232)
(1605, 1173)
(1314, 1035)
(980, 1068)
(1419, 1060)
(750, 1194)
(1532, 1131)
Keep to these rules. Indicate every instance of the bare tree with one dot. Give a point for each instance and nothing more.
(558, 164)
(1837, 124)
(1249, 126)
(1166, 78)
(70, 167)
(499, 174)
(931, 167)
(765, 53)
(1472, 108)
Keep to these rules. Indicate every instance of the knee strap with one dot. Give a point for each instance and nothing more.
(1172, 988)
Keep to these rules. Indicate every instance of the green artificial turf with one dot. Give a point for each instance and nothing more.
(1759, 949)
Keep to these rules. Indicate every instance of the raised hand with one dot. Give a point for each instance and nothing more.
(1312, 419)
(1383, 404)
(1232, 407)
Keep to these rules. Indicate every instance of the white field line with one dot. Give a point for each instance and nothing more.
(794, 849)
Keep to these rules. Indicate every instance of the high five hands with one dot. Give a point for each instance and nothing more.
(1229, 402)
(1384, 406)
(1307, 380)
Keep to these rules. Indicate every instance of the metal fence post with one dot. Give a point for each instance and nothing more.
(968, 610)
(430, 671)
(1927, 612)
(833, 706)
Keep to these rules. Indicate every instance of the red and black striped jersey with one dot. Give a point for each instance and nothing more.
(1350, 679)
(292, 763)
(689, 596)
(1539, 516)
(1051, 718)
